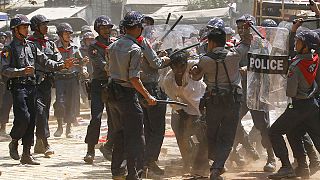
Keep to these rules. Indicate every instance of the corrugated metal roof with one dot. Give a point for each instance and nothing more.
(195, 17)
(164, 2)
(57, 13)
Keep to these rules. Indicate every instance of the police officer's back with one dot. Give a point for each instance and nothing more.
(220, 69)
(124, 67)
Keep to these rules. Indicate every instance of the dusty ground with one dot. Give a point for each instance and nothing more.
(67, 163)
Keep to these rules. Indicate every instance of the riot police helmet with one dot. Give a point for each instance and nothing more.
(18, 20)
(218, 36)
(3, 34)
(310, 39)
(85, 29)
(269, 23)
(88, 35)
(133, 18)
(64, 27)
(229, 30)
(247, 18)
(216, 23)
(149, 19)
(102, 21)
(37, 20)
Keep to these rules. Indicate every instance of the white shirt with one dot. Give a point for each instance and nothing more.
(190, 92)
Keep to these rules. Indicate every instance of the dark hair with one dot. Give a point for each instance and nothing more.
(179, 57)
(218, 36)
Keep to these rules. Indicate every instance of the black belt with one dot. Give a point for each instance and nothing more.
(66, 76)
(23, 80)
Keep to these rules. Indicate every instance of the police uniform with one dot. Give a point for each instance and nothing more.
(222, 101)
(67, 105)
(16, 57)
(97, 54)
(46, 79)
(125, 61)
(153, 116)
(84, 49)
(5, 103)
(302, 112)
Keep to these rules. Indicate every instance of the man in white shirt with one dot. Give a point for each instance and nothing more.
(185, 120)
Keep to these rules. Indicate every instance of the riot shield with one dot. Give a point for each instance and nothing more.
(181, 36)
(268, 62)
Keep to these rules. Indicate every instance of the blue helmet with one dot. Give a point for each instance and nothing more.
(247, 17)
(37, 20)
(317, 31)
(229, 30)
(310, 39)
(64, 27)
(216, 23)
(269, 23)
(133, 18)
(18, 20)
(102, 21)
(3, 34)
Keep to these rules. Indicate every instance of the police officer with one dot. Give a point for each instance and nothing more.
(9, 37)
(67, 105)
(18, 64)
(302, 115)
(124, 67)
(153, 116)
(220, 69)
(3, 38)
(98, 56)
(39, 24)
(5, 104)
(260, 118)
(5, 96)
(87, 40)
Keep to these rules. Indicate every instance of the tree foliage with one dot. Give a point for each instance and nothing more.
(206, 4)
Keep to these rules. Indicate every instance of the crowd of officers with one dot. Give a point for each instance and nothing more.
(123, 72)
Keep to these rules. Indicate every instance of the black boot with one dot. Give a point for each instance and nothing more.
(302, 170)
(39, 147)
(271, 162)
(26, 157)
(153, 167)
(59, 130)
(90, 154)
(286, 171)
(106, 150)
(48, 150)
(13, 149)
(237, 158)
(215, 174)
(68, 131)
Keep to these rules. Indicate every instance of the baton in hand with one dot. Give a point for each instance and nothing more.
(171, 29)
(168, 18)
(171, 102)
(256, 30)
